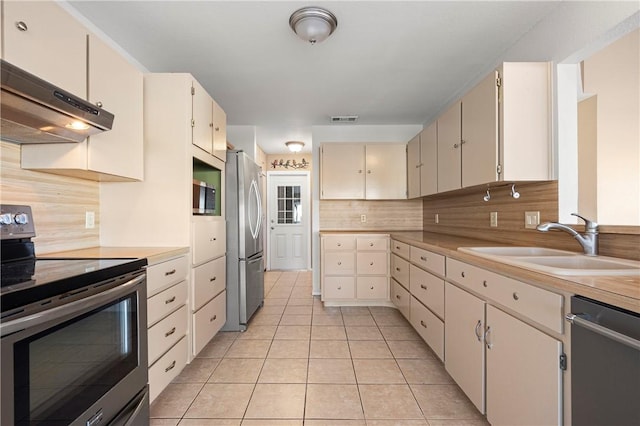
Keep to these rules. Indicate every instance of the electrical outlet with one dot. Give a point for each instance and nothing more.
(436, 218)
(90, 220)
(494, 219)
(531, 220)
(363, 218)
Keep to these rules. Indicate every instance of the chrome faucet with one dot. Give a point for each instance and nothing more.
(588, 240)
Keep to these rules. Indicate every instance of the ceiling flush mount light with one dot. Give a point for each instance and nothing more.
(313, 24)
(294, 146)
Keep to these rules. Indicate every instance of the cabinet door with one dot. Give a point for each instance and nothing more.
(449, 157)
(116, 84)
(429, 160)
(386, 172)
(480, 133)
(209, 240)
(524, 380)
(219, 132)
(202, 118)
(342, 171)
(413, 167)
(53, 46)
(464, 346)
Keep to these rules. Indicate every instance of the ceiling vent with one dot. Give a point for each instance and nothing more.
(344, 118)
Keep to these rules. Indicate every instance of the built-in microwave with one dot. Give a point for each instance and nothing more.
(204, 198)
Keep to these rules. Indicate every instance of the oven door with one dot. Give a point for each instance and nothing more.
(79, 363)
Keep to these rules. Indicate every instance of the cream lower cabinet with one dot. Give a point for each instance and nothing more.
(489, 349)
(167, 319)
(355, 269)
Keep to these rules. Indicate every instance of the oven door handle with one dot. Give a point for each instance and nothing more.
(61, 311)
(582, 321)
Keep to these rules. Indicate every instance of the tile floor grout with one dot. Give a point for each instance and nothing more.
(187, 398)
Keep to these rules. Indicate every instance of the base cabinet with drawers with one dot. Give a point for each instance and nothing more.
(355, 269)
(511, 370)
(167, 320)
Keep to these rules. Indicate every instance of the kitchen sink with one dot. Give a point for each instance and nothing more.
(556, 262)
(515, 251)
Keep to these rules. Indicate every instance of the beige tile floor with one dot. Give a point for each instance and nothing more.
(300, 363)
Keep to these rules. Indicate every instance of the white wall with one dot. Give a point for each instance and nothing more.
(345, 133)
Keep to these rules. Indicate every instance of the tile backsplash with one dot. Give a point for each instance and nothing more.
(58, 203)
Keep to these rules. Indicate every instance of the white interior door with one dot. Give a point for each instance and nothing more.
(289, 221)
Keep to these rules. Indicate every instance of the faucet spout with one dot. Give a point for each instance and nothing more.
(588, 240)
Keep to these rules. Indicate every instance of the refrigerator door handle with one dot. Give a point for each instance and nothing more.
(255, 228)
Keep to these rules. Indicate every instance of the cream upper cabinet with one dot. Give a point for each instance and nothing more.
(209, 123)
(202, 119)
(43, 39)
(114, 155)
(429, 160)
(219, 132)
(413, 167)
(499, 131)
(363, 171)
(386, 172)
(342, 168)
(522, 367)
(449, 137)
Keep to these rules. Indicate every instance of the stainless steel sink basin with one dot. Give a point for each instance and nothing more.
(515, 251)
(556, 262)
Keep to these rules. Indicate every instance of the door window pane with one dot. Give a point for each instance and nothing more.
(289, 204)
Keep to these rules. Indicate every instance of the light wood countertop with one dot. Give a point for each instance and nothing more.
(153, 255)
(621, 291)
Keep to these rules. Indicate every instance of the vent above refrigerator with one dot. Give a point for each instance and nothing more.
(344, 118)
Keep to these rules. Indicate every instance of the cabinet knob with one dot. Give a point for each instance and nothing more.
(484, 283)
(213, 318)
(398, 296)
(212, 239)
(99, 104)
(339, 263)
(422, 286)
(397, 269)
(210, 124)
(371, 287)
(515, 296)
(212, 279)
(171, 272)
(455, 145)
(423, 258)
(217, 129)
(170, 332)
(422, 323)
(370, 244)
(339, 244)
(22, 26)
(359, 171)
(371, 264)
(462, 273)
(339, 287)
(173, 299)
(368, 171)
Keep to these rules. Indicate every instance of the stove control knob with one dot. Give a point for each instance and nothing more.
(6, 219)
(21, 218)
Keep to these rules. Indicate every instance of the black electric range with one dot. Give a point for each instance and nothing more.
(25, 279)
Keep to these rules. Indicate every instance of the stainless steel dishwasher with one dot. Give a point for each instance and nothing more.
(605, 364)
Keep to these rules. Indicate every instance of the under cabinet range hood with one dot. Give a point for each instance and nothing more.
(35, 111)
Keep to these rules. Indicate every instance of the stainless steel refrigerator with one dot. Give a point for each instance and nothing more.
(245, 264)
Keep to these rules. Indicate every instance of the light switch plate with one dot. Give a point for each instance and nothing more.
(494, 219)
(531, 220)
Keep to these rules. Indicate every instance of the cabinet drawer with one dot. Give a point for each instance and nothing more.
(208, 280)
(339, 242)
(339, 263)
(400, 270)
(539, 305)
(372, 243)
(209, 240)
(428, 289)
(165, 274)
(427, 260)
(160, 305)
(372, 288)
(372, 263)
(208, 320)
(337, 288)
(401, 298)
(401, 249)
(429, 326)
(166, 333)
(167, 368)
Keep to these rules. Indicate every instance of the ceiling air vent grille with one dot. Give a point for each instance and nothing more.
(344, 118)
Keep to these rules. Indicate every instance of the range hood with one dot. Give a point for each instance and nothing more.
(35, 111)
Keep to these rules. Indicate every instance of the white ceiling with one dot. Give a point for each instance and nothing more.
(389, 62)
